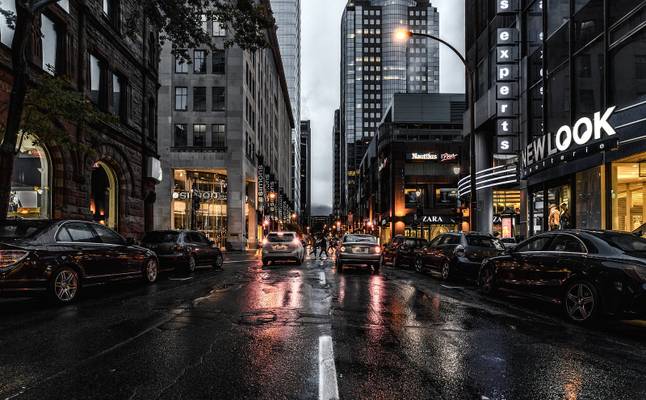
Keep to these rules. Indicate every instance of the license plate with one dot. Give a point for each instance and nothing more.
(280, 248)
(360, 250)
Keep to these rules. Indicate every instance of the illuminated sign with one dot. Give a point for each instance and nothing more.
(448, 157)
(422, 156)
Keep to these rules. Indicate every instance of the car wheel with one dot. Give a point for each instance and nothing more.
(581, 302)
(419, 265)
(65, 286)
(190, 266)
(151, 271)
(446, 271)
(487, 279)
(219, 262)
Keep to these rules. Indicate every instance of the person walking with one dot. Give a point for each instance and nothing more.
(323, 246)
(315, 245)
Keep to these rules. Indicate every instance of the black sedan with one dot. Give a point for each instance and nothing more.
(59, 258)
(389, 250)
(406, 253)
(590, 273)
(458, 254)
(183, 249)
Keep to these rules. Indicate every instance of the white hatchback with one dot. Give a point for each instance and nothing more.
(282, 246)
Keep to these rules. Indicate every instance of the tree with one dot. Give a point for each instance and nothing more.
(176, 20)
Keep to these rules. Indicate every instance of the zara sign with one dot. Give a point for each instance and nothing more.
(584, 132)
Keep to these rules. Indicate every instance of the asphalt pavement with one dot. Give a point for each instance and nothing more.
(307, 332)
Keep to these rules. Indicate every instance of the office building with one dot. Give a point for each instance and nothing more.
(374, 66)
(306, 172)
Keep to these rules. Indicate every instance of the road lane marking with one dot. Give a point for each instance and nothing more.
(328, 387)
(322, 278)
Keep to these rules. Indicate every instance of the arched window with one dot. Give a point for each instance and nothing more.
(30, 191)
(104, 195)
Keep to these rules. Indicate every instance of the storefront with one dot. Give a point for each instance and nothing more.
(30, 195)
(199, 202)
(506, 217)
(429, 226)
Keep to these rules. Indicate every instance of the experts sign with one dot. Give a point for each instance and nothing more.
(587, 135)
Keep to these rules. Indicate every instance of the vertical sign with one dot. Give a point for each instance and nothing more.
(261, 187)
(507, 73)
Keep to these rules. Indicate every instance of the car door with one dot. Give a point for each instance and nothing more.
(566, 255)
(210, 252)
(447, 248)
(122, 259)
(86, 248)
(427, 251)
(197, 247)
(517, 273)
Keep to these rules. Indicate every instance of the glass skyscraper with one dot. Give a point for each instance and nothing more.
(374, 67)
(288, 21)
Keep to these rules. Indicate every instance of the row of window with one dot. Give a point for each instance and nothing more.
(218, 62)
(218, 98)
(371, 12)
(369, 31)
(376, 40)
(417, 13)
(371, 50)
(372, 22)
(218, 139)
(372, 96)
(216, 28)
(368, 59)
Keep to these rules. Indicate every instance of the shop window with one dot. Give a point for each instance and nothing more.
(538, 206)
(590, 200)
(104, 195)
(414, 197)
(559, 205)
(589, 80)
(628, 188)
(30, 192)
(199, 201)
(446, 197)
(627, 77)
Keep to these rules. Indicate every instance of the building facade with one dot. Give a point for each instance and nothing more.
(225, 126)
(580, 107)
(338, 146)
(408, 182)
(306, 172)
(374, 67)
(288, 21)
(114, 183)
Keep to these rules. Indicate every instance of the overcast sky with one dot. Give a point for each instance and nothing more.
(321, 30)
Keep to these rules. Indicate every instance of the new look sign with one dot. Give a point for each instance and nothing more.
(544, 151)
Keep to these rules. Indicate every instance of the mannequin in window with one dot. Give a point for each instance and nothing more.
(554, 219)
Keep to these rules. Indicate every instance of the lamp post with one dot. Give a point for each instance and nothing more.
(405, 34)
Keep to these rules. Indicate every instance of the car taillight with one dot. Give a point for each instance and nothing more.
(377, 250)
(178, 248)
(296, 242)
(265, 242)
(11, 257)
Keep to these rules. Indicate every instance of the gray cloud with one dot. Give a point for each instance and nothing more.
(321, 21)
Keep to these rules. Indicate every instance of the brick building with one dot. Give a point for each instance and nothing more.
(114, 183)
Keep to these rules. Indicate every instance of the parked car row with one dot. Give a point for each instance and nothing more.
(589, 273)
(59, 258)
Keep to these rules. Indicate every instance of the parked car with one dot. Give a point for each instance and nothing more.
(458, 254)
(358, 250)
(590, 273)
(389, 250)
(183, 249)
(407, 252)
(59, 258)
(282, 246)
(509, 243)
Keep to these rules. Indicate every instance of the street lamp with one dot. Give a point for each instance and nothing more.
(404, 34)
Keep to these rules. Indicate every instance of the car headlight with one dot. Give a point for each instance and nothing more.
(343, 249)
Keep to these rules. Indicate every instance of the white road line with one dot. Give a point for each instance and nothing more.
(328, 388)
(322, 278)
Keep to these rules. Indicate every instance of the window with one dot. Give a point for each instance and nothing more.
(107, 7)
(199, 135)
(96, 79)
(181, 98)
(199, 99)
(180, 137)
(49, 41)
(30, 195)
(108, 236)
(218, 29)
(111, 11)
(65, 5)
(558, 100)
(538, 243)
(219, 136)
(218, 62)
(567, 244)
(116, 95)
(152, 118)
(218, 98)
(77, 232)
(626, 65)
(6, 33)
(181, 66)
(589, 80)
(205, 23)
(199, 61)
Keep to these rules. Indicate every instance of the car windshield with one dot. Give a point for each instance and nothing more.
(161, 237)
(484, 241)
(360, 239)
(625, 242)
(280, 238)
(22, 229)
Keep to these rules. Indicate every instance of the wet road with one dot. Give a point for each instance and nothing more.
(306, 332)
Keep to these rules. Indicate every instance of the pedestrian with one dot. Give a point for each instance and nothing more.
(315, 244)
(323, 245)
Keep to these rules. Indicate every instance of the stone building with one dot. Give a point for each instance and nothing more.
(114, 183)
(225, 123)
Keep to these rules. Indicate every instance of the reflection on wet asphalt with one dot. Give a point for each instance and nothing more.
(253, 332)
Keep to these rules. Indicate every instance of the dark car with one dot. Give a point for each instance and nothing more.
(509, 243)
(458, 254)
(183, 249)
(59, 258)
(407, 252)
(389, 250)
(589, 273)
(359, 250)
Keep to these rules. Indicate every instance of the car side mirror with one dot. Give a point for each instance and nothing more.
(130, 242)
